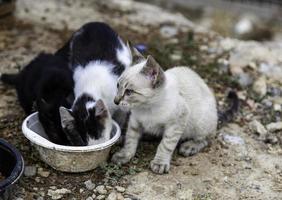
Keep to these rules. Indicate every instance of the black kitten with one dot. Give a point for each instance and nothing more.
(46, 82)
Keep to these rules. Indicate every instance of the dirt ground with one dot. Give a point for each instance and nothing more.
(237, 165)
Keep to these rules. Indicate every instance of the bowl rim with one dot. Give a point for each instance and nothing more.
(43, 142)
(18, 168)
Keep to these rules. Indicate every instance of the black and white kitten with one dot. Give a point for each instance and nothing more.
(46, 82)
(98, 56)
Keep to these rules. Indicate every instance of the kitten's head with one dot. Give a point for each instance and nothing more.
(88, 118)
(141, 83)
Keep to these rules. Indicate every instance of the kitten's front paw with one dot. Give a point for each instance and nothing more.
(122, 157)
(160, 166)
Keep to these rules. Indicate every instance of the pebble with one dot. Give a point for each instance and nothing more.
(43, 173)
(120, 189)
(37, 179)
(89, 185)
(277, 107)
(244, 79)
(109, 187)
(258, 128)
(100, 197)
(119, 196)
(233, 139)
(112, 196)
(30, 171)
(101, 189)
(175, 57)
(168, 31)
(274, 126)
(58, 194)
(93, 196)
(260, 87)
(89, 198)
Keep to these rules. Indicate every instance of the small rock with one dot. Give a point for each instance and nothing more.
(43, 173)
(119, 196)
(253, 65)
(89, 185)
(168, 31)
(271, 139)
(81, 190)
(89, 198)
(233, 139)
(244, 79)
(30, 171)
(109, 187)
(260, 87)
(274, 126)
(176, 56)
(277, 107)
(58, 194)
(203, 48)
(120, 189)
(243, 26)
(100, 197)
(93, 196)
(101, 189)
(112, 196)
(37, 179)
(258, 128)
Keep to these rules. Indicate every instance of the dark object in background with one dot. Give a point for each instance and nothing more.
(142, 48)
(6, 7)
(11, 166)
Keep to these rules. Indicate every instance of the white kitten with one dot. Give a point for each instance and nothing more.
(176, 104)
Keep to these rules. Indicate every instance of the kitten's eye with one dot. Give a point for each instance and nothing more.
(117, 85)
(128, 92)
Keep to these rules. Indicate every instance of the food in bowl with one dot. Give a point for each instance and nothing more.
(68, 158)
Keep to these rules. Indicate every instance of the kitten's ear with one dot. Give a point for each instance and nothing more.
(101, 109)
(153, 71)
(66, 117)
(135, 54)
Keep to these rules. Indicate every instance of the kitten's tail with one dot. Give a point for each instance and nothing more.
(228, 114)
(10, 79)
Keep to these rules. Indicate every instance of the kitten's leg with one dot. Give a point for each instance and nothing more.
(191, 147)
(161, 163)
(131, 142)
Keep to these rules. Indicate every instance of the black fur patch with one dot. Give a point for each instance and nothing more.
(95, 41)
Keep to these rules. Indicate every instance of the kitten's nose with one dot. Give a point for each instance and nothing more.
(116, 100)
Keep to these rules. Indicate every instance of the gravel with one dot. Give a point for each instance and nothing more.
(30, 171)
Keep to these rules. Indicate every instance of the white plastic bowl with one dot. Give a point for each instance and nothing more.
(67, 158)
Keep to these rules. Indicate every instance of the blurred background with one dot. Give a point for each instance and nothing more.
(244, 19)
(232, 44)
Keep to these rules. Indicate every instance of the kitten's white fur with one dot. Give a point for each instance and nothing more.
(183, 108)
(97, 80)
